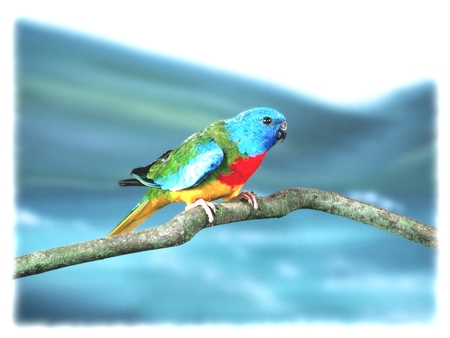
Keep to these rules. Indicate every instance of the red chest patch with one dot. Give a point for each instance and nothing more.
(241, 170)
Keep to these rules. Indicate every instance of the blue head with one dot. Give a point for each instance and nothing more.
(256, 130)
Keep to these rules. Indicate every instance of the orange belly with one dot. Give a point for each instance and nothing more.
(210, 192)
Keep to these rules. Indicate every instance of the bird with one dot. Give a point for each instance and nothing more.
(211, 164)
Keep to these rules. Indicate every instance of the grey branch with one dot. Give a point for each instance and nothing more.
(184, 226)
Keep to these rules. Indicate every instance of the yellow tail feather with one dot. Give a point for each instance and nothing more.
(139, 214)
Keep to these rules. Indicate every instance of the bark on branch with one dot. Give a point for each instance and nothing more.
(184, 226)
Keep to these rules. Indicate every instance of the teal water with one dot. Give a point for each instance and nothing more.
(89, 111)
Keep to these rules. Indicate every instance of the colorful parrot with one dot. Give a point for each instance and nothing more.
(211, 164)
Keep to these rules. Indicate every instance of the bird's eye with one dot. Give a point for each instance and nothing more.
(267, 120)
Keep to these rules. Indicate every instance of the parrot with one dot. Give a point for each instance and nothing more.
(211, 164)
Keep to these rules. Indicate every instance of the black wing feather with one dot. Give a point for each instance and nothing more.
(141, 172)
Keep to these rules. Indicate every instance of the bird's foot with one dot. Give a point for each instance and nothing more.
(209, 208)
(249, 197)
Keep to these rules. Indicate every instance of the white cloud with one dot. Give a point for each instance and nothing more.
(377, 199)
(259, 292)
(378, 282)
(342, 51)
(28, 218)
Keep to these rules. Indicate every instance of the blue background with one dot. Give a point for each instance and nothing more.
(89, 111)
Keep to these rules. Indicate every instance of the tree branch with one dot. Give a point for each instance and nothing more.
(184, 226)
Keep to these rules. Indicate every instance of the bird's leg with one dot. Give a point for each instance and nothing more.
(207, 206)
(249, 197)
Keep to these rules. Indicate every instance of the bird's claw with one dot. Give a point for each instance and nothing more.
(249, 197)
(209, 208)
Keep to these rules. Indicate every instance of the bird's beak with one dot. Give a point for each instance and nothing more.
(282, 132)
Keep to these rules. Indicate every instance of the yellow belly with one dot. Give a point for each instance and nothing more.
(209, 192)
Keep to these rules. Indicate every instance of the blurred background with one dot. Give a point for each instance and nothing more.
(91, 107)
(89, 112)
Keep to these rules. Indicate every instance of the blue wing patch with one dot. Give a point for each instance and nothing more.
(170, 175)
